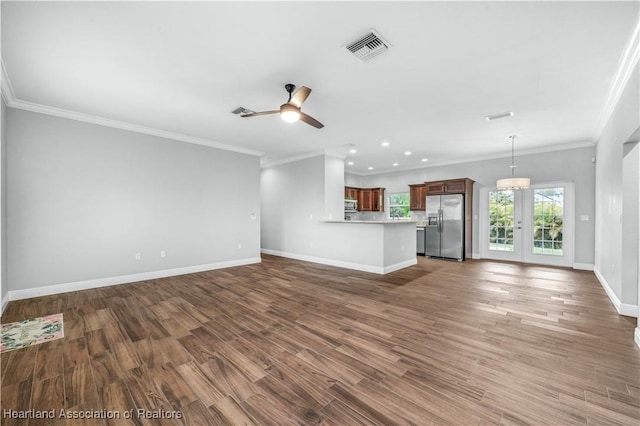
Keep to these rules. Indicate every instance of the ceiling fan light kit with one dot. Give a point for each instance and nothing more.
(289, 113)
(512, 183)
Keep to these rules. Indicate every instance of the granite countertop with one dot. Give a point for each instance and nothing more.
(380, 222)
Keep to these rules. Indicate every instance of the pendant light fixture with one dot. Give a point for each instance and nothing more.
(513, 182)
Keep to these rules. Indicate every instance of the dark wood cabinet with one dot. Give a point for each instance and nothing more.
(457, 186)
(434, 188)
(417, 194)
(351, 193)
(369, 199)
(377, 199)
(364, 200)
(450, 186)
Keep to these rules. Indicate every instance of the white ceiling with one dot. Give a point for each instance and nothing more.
(182, 67)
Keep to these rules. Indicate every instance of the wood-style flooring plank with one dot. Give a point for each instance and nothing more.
(16, 398)
(48, 395)
(227, 412)
(144, 390)
(175, 389)
(229, 379)
(79, 385)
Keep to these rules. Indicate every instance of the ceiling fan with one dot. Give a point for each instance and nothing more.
(290, 111)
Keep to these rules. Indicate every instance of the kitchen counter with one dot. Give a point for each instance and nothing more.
(379, 222)
(379, 246)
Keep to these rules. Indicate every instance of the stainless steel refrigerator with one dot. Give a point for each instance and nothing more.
(444, 231)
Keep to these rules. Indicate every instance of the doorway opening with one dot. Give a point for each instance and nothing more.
(534, 225)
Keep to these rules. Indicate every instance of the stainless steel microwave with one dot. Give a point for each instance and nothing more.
(350, 206)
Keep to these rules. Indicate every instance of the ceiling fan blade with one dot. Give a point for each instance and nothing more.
(300, 96)
(310, 120)
(255, 114)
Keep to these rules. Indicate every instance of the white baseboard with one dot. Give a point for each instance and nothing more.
(401, 265)
(341, 264)
(124, 279)
(636, 336)
(476, 256)
(583, 266)
(622, 308)
(4, 302)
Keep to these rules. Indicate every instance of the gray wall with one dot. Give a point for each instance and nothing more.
(630, 235)
(3, 206)
(293, 200)
(83, 199)
(573, 165)
(624, 121)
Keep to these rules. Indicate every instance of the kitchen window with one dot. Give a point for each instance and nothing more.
(399, 205)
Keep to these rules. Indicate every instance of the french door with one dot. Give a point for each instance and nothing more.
(534, 225)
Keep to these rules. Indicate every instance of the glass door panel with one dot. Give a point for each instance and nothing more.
(501, 220)
(502, 239)
(548, 218)
(549, 236)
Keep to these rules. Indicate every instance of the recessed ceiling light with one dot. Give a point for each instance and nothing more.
(407, 153)
(385, 143)
(395, 164)
(500, 115)
(424, 160)
(353, 150)
(350, 163)
(370, 168)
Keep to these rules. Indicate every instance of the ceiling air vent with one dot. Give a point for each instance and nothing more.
(369, 46)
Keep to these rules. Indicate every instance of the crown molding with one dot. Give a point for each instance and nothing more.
(11, 101)
(78, 116)
(5, 87)
(628, 61)
(304, 156)
(292, 159)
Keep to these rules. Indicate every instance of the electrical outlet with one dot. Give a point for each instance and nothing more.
(138, 256)
(163, 253)
(239, 245)
(310, 243)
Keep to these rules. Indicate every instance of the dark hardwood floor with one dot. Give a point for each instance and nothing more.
(289, 342)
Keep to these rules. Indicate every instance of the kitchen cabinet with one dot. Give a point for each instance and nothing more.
(377, 199)
(457, 186)
(420, 246)
(417, 194)
(450, 186)
(369, 199)
(351, 193)
(364, 200)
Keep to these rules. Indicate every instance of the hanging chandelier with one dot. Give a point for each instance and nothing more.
(513, 182)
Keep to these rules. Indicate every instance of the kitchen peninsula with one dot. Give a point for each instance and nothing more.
(302, 217)
(378, 246)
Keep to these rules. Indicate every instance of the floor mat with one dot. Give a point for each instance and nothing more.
(29, 332)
